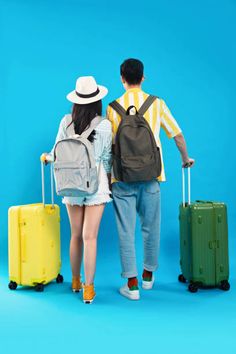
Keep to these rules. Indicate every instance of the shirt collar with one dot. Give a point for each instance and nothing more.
(134, 89)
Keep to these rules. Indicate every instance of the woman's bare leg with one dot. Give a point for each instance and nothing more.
(76, 216)
(92, 219)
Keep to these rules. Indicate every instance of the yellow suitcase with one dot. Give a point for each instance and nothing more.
(34, 243)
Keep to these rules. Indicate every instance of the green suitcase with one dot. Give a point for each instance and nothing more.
(203, 243)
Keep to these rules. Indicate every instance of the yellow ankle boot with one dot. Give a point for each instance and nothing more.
(76, 284)
(88, 293)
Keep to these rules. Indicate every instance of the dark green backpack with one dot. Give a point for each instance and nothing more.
(136, 156)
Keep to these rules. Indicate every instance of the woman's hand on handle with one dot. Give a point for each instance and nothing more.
(46, 158)
(43, 158)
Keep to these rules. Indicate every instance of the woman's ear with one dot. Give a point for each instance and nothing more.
(143, 78)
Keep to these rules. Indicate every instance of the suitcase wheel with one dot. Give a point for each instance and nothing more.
(12, 285)
(225, 285)
(181, 278)
(193, 287)
(39, 287)
(59, 278)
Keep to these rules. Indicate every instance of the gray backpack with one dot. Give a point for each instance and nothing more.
(75, 169)
(136, 156)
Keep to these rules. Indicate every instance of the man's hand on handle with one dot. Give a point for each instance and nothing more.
(181, 145)
(188, 163)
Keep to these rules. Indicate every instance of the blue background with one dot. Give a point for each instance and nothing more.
(189, 51)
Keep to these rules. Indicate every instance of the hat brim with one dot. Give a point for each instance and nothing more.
(74, 98)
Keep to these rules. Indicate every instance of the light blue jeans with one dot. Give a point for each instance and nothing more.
(129, 199)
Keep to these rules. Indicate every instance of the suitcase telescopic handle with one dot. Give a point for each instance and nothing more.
(43, 183)
(189, 185)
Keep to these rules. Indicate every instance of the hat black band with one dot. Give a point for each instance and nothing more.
(89, 95)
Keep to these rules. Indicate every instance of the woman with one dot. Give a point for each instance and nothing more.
(85, 213)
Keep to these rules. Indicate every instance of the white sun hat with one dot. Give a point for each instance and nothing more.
(87, 91)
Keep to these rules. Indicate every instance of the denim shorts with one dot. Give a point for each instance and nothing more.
(102, 195)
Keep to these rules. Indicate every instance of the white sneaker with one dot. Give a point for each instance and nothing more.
(130, 294)
(148, 285)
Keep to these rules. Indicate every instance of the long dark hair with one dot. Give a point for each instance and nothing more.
(83, 114)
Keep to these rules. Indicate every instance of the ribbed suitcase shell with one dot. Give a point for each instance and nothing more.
(204, 243)
(34, 243)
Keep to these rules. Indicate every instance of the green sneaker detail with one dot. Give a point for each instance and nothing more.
(147, 279)
(133, 288)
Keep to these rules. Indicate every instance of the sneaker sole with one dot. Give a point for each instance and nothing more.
(147, 287)
(130, 297)
(88, 302)
(76, 291)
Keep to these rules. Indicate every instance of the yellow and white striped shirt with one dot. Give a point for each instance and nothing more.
(158, 116)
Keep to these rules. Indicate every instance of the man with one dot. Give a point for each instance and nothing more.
(141, 197)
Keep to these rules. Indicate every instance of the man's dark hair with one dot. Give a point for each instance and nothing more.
(132, 71)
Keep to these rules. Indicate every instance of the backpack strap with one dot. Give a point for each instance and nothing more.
(118, 108)
(147, 103)
(95, 122)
